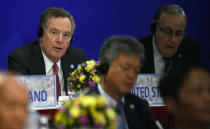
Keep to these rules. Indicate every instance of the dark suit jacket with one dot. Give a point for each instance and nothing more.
(136, 110)
(28, 60)
(188, 51)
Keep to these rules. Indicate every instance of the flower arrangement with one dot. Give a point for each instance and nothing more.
(90, 111)
(86, 75)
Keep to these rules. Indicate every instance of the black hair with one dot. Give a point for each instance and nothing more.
(171, 83)
(119, 44)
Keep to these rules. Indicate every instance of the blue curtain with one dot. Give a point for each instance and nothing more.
(96, 20)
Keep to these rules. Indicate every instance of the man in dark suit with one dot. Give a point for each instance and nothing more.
(121, 58)
(52, 53)
(167, 44)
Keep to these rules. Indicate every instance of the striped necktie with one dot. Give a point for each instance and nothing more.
(58, 86)
(168, 64)
(120, 111)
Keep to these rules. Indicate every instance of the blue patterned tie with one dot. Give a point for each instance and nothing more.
(168, 63)
(120, 111)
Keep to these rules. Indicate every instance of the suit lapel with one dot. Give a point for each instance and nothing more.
(68, 66)
(148, 66)
(130, 111)
(65, 68)
(38, 64)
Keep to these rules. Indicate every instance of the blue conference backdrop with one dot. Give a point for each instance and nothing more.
(96, 20)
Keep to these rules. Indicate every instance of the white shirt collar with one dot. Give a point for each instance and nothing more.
(155, 49)
(109, 98)
(49, 64)
(49, 71)
(158, 59)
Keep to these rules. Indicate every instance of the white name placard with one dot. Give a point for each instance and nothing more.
(146, 88)
(41, 90)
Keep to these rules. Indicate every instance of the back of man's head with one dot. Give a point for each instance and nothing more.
(186, 93)
(13, 103)
(172, 82)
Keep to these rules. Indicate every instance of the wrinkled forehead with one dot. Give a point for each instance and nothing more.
(173, 22)
(165, 17)
(124, 58)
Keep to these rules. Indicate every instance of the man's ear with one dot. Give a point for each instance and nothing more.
(171, 105)
(153, 26)
(40, 40)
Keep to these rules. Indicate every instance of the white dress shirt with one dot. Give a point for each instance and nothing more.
(159, 62)
(49, 71)
(114, 102)
(109, 98)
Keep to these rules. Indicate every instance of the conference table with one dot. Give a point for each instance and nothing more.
(161, 114)
(143, 84)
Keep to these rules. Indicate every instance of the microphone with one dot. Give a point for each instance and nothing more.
(158, 124)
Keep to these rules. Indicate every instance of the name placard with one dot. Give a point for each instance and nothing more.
(146, 88)
(41, 90)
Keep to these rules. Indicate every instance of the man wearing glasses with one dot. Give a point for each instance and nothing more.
(168, 45)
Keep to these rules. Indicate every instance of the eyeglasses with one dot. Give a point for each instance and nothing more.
(170, 33)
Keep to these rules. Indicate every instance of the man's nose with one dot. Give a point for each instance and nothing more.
(60, 38)
(132, 74)
(173, 38)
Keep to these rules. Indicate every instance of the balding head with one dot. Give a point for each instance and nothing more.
(13, 103)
